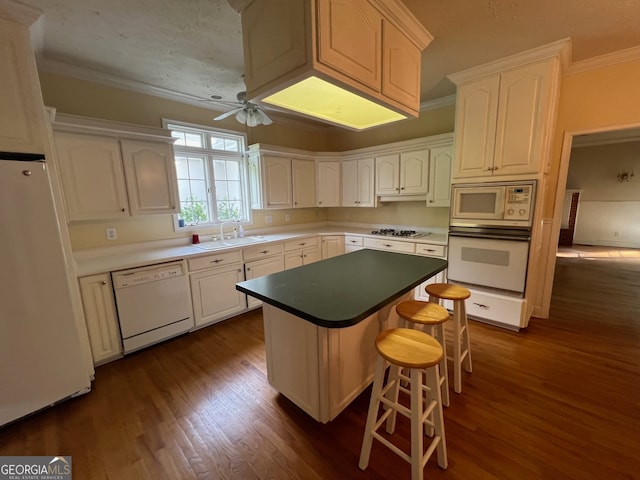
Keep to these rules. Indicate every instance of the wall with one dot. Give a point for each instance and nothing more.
(79, 97)
(609, 210)
(593, 100)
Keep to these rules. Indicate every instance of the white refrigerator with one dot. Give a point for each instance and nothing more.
(41, 360)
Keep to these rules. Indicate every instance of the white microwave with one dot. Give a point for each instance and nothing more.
(499, 204)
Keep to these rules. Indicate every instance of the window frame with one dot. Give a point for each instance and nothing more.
(211, 155)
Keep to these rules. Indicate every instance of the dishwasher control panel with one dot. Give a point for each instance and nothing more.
(148, 274)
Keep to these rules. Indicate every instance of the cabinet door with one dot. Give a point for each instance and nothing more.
(350, 183)
(328, 175)
(92, 176)
(332, 246)
(293, 260)
(388, 174)
(258, 268)
(303, 175)
(151, 177)
(475, 127)
(214, 294)
(277, 182)
(310, 255)
(22, 116)
(350, 39)
(440, 177)
(366, 185)
(522, 117)
(101, 317)
(414, 172)
(400, 67)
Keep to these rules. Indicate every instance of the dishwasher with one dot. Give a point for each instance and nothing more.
(154, 304)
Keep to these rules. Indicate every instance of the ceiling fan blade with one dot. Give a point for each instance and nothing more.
(229, 113)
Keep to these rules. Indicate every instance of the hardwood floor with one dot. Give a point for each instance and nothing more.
(560, 400)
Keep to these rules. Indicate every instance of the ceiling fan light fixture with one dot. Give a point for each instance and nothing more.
(241, 116)
(252, 120)
(318, 98)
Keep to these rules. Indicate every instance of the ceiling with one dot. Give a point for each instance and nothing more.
(190, 50)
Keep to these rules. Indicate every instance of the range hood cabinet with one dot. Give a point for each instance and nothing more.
(369, 47)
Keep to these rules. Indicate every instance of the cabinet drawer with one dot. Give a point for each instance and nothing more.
(260, 251)
(509, 311)
(430, 250)
(299, 243)
(214, 260)
(353, 241)
(392, 245)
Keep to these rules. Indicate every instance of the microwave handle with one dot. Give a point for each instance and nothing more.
(493, 236)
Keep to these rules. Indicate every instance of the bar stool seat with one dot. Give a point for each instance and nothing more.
(421, 354)
(430, 317)
(461, 344)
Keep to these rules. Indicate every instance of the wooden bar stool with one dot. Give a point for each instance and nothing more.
(430, 317)
(421, 354)
(461, 345)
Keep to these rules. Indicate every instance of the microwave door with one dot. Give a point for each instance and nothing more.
(485, 203)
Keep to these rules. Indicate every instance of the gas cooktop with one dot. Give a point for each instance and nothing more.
(392, 232)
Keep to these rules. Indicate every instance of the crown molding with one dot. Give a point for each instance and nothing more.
(621, 56)
(46, 65)
(438, 103)
(19, 12)
(560, 49)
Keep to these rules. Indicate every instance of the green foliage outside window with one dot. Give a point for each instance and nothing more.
(194, 211)
(228, 211)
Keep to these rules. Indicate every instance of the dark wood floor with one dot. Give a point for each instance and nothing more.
(560, 400)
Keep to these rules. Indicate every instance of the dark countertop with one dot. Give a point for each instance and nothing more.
(341, 291)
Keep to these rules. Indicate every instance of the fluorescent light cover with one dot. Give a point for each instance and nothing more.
(317, 98)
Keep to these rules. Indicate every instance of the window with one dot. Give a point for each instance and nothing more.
(210, 166)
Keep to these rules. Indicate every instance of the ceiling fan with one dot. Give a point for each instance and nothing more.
(247, 113)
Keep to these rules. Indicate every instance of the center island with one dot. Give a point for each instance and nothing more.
(321, 320)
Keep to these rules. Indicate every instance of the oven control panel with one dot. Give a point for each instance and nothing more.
(518, 202)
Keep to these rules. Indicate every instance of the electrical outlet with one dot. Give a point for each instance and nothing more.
(287, 217)
(268, 218)
(616, 234)
(111, 233)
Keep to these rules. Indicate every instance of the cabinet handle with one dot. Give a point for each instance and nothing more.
(104, 282)
(388, 245)
(430, 201)
(402, 188)
(217, 260)
(494, 168)
(264, 251)
(124, 209)
(488, 169)
(480, 305)
(319, 202)
(302, 244)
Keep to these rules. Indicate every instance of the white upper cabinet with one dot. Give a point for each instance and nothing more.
(22, 115)
(328, 184)
(404, 173)
(505, 113)
(358, 183)
(278, 178)
(303, 177)
(150, 172)
(440, 162)
(92, 176)
(109, 176)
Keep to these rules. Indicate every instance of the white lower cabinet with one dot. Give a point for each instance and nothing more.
(271, 262)
(301, 252)
(101, 317)
(508, 312)
(436, 251)
(213, 290)
(332, 246)
(353, 243)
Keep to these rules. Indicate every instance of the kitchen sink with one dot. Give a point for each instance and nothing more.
(229, 242)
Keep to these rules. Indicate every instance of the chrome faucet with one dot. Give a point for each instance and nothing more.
(235, 228)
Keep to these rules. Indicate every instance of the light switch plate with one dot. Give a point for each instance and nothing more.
(111, 233)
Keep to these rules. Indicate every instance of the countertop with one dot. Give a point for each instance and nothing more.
(94, 261)
(341, 291)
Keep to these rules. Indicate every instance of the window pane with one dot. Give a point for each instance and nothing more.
(233, 170)
(228, 210)
(198, 190)
(217, 143)
(197, 168)
(234, 191)
(194, 140)
(182, 169)
(219, 170)
(231, 145)
(184, 190)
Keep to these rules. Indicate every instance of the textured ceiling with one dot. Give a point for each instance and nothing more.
(194, 47)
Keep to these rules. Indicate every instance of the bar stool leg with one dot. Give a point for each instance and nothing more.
(432, 381)
(417, 425)
(438, 333)
(372, 415)
(465, 337)
(392, 395)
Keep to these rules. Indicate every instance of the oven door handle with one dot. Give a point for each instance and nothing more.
(493, 236)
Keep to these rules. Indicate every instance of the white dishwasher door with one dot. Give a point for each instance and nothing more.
(154, 304)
